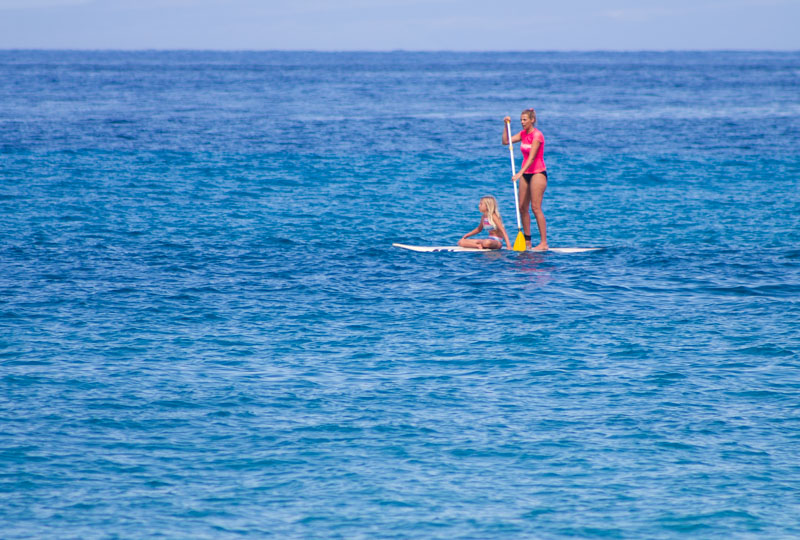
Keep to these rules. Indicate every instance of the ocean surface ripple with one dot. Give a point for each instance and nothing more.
(205, 331)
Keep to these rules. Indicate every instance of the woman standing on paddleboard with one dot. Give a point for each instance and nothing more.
(532, 176)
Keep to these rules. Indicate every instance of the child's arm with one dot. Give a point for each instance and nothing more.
(498, 222)
(473, 232)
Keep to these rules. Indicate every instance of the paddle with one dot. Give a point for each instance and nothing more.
(519, 243)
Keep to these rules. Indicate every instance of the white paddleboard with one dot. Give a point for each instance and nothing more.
(459, 248)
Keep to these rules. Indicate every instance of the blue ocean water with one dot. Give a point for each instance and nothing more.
(206, 333)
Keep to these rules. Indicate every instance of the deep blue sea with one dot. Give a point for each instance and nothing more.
(205, 331)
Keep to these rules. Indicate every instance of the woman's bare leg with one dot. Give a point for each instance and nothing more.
(538, 185)
(524, 202)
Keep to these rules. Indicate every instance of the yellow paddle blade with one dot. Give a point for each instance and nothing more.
(519, 243)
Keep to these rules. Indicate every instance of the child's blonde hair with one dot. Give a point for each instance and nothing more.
(491, 209)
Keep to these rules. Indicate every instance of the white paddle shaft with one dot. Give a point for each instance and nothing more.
(513, 173)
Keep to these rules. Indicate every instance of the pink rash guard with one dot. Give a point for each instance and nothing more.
(526, 140)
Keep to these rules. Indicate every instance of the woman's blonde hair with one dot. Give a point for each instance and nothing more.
(491, 209)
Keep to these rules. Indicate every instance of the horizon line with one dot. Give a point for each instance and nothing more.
(391, 51)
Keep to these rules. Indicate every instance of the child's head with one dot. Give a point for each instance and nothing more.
(488, 207)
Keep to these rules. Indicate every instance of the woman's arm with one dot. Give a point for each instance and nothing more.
(514, 138)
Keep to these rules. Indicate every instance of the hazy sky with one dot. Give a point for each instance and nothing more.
(471, 25)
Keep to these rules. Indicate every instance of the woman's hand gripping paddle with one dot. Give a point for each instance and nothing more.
(519, 243)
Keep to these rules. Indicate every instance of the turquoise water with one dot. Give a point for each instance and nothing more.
(205, 331)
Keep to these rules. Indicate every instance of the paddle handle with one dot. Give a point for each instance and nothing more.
(513, 173)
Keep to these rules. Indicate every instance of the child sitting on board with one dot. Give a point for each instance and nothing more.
(491, 219)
